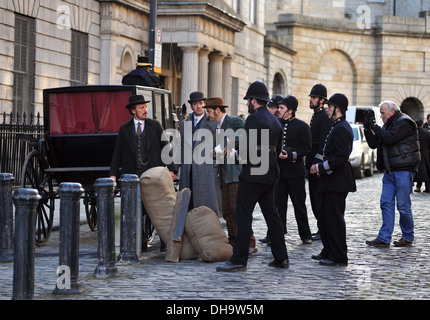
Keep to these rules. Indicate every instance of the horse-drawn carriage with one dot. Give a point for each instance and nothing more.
(80, 129)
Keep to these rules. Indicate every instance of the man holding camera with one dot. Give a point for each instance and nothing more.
(399, 155)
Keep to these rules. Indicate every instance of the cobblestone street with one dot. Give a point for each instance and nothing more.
(372, 273)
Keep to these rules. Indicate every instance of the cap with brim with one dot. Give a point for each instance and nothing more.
(143, 62)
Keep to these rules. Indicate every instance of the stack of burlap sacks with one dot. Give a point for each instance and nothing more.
(203, 236)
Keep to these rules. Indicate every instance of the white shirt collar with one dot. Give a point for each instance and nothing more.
(136, 123)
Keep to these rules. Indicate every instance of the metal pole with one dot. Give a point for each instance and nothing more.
(104, 188)
(152, 25)
(6, 217)
(68, 270)
(129, 184)
(25, 201)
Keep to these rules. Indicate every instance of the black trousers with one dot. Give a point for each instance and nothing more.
(315, 195)
(247, 197)
(293, 188)
(332, 226)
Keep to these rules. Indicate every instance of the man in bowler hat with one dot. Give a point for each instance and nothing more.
(201, 178)
(258, 185)
(139, 144)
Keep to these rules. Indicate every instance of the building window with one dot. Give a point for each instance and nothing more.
(253, 11)
(24, 64)
(236, 6)
(79, 56)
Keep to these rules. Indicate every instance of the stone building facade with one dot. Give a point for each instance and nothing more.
(369, 50)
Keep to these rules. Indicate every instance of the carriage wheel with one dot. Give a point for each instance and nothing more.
(33, 176)
(90, 202)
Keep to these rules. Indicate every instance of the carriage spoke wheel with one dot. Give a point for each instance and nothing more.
(90, 202)
(33, 176)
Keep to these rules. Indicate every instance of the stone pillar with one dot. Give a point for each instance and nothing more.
(190, 75)
(203, 70)
(226, 80)
(215, 88)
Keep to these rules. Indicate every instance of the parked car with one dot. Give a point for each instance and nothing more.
(362, 158)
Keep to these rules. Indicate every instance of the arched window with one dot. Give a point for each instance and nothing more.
(413, 108)
(279, 85)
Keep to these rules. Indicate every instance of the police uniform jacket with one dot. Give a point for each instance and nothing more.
(262, 120)
(336, 172)
(320, 126)
(296, 140)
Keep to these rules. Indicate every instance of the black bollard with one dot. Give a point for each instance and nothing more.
(6, 217)
(104, 188)
(68, 279)
(25, 201)
(129, 184)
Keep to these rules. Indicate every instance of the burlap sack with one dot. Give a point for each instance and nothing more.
(159, 197)
(207, 236)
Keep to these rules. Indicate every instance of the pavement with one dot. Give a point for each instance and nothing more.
(372, 273)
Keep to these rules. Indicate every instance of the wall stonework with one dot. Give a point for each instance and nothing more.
(293, 44)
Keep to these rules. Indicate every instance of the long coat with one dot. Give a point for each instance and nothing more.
(202, 179)
(423, 173)
(124, 153)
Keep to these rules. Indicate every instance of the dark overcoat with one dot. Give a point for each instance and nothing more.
(123, 158)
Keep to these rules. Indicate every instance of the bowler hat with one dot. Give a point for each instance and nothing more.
(136, 99)
(338, 100)
(215, 102)
(143, 62)
(196, 96)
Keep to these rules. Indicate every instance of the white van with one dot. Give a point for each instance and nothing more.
(354, 114)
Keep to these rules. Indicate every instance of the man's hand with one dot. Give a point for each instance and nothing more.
(369, 119)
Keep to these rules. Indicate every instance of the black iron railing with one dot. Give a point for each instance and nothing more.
(12, 149)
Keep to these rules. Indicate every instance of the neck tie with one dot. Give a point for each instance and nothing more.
(139, 128)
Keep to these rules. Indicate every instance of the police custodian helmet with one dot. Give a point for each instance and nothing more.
(318, 90)
(258, 90)
(339, 100)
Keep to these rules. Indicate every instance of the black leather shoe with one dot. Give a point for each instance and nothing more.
(265, 240)
(317, 257)
(280, 263)
(307, 241)
(328, 262)
(231, 267)
(316, 236)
